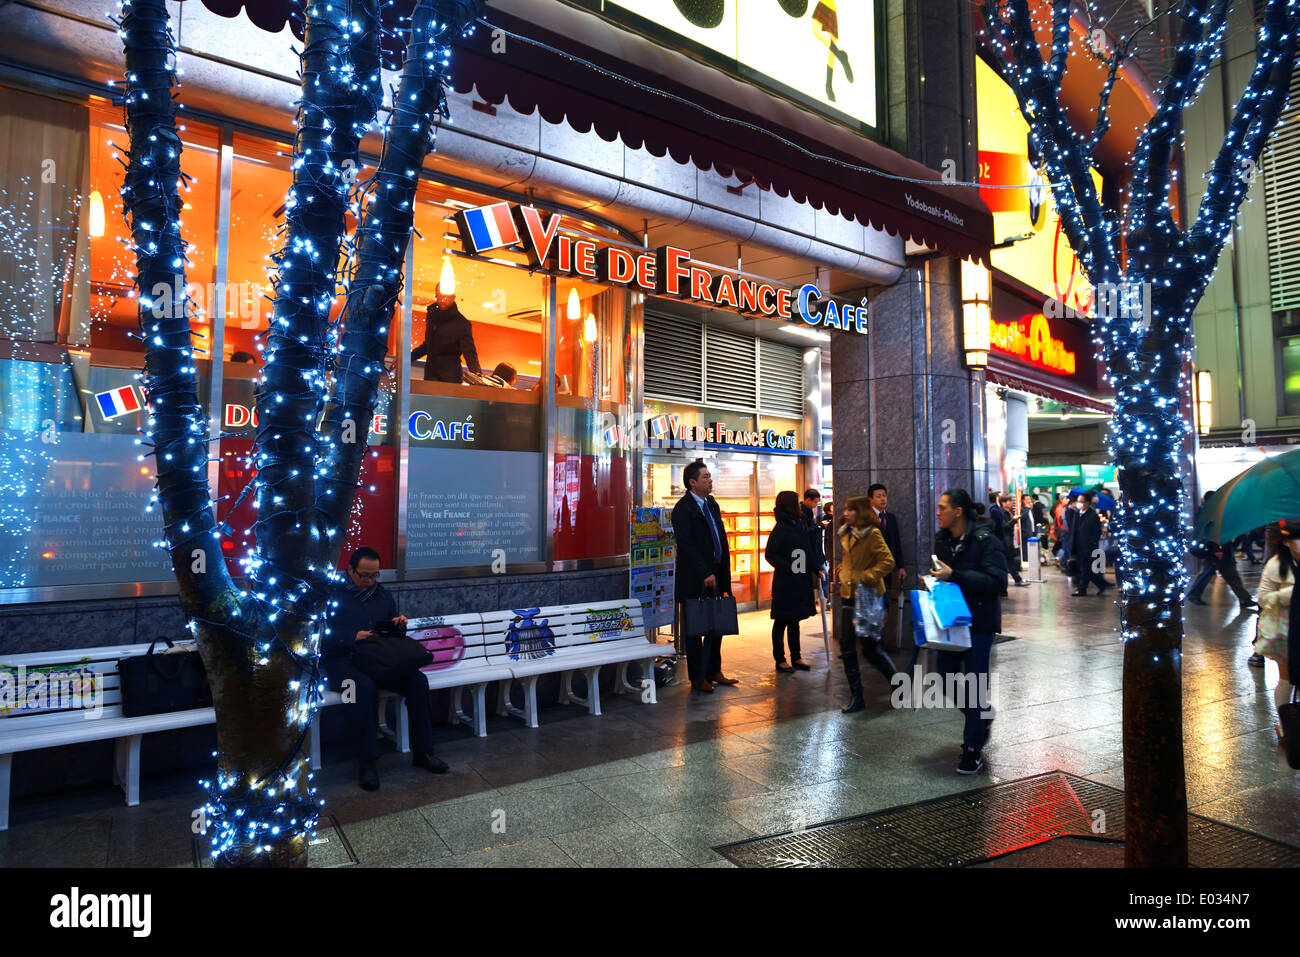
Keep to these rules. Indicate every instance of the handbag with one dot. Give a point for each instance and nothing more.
(868, 611)
(928, 633)
(389, 657)
(1288, 716)
(710, 615)
(159, 682)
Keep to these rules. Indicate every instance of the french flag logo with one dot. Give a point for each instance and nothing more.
(118, 402)
(658, 427)
(487, 227)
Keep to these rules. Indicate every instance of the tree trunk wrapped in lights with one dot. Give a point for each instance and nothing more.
(1145, 302)
(259, 646)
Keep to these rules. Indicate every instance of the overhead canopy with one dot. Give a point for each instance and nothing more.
(805, 160)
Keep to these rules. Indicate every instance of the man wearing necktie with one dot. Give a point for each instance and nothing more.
(703, 567)
(879, 498)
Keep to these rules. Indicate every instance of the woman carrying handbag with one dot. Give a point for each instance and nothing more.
(1275, 586)
(795, 558)
(865, 561)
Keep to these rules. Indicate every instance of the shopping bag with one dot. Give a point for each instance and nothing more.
(926, 630)
(949, 604)
(710, 615)
(868, 611)
(161, 682)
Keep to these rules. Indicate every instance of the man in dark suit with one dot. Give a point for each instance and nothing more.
(447, 336)
(703, 566)
(1085, 536)
(878, 495)
(1006, 505)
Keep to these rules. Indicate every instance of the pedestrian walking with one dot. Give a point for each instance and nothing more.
(1275, 587)
(1006, 506)
(1086, 548)
(1220, 559)
(794, 552)
(865, 559)
(893, 535)
(976, 562)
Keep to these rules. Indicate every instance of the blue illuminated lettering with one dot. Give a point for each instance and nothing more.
(809, 292)
(832, 317)
(416, 430)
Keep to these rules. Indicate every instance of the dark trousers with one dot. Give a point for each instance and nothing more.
(871, 650)
(1013, 563)
(973, 662)
(780, 631)
(363, 714)
(1088, 577)
(1227, 567)
(703, 656)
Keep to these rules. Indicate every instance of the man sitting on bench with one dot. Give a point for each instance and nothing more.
(355, 606)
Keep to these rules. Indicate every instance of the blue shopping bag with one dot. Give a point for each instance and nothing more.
(926, 631)
(950, 608)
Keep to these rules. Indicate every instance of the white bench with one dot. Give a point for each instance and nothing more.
(585, 637)
(49, 724)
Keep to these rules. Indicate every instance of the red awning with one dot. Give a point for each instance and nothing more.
(897, 195)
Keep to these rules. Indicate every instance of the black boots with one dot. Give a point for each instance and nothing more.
(855, 705)
(369, 776)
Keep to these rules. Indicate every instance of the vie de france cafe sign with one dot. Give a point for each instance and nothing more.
(665, 271)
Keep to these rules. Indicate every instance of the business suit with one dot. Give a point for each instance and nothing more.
(1085, 538)
(893, 583)
(696, 562)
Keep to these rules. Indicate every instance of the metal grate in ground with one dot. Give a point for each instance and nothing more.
(976, 826)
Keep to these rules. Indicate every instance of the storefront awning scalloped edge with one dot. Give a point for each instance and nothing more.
(533, 79)
(1034, 387)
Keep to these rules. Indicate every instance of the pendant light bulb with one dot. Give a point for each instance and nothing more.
(96, 213)
(575, 304)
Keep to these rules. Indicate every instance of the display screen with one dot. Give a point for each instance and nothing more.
(824, 52)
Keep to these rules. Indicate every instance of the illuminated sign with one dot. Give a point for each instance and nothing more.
(820, 50)
(243, 416)
(666, 271)
(1030, 339)
(670, 426)
(1044, 260)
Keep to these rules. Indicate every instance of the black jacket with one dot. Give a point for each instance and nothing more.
(352, 615)
(816, 527)
(447, 336)
(979, 568)
(998, 522)
(695, 548)
(1085, 537)
(792, 591)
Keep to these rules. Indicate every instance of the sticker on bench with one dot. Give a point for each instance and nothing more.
(528, 638)
(604, 623)
(49, 688)
(446, 643)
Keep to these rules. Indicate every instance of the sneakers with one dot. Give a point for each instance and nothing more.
(1256, 661)
(972, 761)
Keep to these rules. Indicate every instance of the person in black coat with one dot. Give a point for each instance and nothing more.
(1008, 529)
(447, 336)
(974, 560)
(354, 608)
(703, 565)
(1085, 543)
(793, 551)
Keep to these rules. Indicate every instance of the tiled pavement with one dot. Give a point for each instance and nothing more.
(656, 786)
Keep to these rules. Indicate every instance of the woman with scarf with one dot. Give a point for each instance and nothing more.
(865, 560)
(794, 552)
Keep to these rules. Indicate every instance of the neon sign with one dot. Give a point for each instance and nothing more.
(1030, 339)
(665, 271)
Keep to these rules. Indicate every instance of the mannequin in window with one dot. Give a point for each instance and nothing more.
(447, 336)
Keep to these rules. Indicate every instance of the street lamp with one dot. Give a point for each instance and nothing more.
(976, 313)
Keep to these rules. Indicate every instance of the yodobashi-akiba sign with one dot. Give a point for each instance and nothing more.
(665, 271)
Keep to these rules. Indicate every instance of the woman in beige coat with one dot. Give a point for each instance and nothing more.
(1275, 585)
(865, 559)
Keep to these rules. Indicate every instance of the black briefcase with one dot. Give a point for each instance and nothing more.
(156, 683)
(710, 615)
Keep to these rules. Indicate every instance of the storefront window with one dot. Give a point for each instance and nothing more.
(593, 483)
(475, 424)
(1290, 390)
(73, 492)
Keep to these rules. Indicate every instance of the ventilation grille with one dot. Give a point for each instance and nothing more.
(1282, 202)
(673, 367)
(780, 387)
(730, 368)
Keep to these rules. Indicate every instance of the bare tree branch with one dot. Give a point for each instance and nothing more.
(1060, 41)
